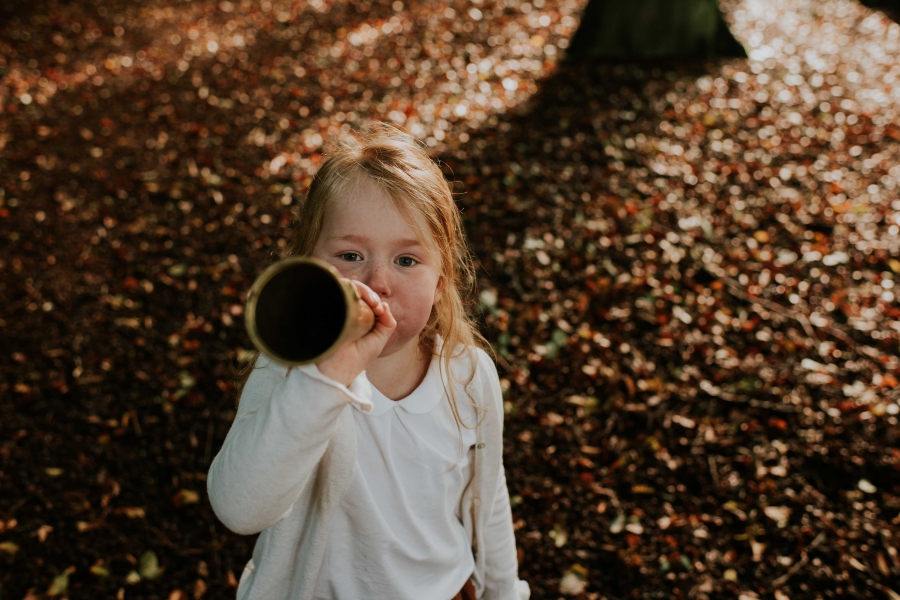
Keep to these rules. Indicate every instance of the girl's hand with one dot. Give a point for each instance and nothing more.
(352, 357)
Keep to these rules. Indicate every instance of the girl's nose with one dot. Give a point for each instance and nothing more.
(379, 280)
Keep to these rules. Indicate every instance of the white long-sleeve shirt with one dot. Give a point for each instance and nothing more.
(293, 455)
(398, 531)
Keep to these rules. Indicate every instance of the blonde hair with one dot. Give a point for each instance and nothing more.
(393, 160)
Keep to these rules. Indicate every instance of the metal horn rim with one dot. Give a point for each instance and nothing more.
(261, 281)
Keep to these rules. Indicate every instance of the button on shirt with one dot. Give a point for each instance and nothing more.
(398, 531)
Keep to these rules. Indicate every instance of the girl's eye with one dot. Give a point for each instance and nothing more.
(406, 261)
(351, 256)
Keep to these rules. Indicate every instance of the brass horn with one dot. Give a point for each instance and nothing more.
(299, 310)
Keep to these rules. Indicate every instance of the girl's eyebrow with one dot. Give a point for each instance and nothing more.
(359, 239)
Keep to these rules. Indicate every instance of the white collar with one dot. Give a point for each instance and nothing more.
(422, 399)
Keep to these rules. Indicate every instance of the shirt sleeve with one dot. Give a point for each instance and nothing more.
(501, 563)
(284, 422)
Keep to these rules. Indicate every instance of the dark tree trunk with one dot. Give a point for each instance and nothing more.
(653, 29)
(891, 8)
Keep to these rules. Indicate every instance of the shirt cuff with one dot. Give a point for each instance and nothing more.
(359, 391)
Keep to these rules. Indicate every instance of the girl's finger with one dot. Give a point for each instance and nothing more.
(375, 340)
(386, 322)
(366, 293)
(392, 321)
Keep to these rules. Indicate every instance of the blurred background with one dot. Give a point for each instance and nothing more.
(687, 221)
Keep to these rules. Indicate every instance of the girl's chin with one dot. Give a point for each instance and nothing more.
(394, 345)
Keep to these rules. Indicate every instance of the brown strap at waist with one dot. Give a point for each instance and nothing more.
(467, 592)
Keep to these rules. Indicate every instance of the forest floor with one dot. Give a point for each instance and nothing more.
(688, 271)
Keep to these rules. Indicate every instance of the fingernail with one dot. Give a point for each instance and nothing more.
(373, 296)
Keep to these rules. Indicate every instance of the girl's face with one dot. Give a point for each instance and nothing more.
(366, 238)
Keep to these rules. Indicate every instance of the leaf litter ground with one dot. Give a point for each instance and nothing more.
(688, 272)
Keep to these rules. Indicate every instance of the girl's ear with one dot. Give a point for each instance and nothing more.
(439, 290)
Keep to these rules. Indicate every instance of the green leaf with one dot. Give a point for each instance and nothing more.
(618, 524)
(148, 566)
(559, 536)
(60, 584)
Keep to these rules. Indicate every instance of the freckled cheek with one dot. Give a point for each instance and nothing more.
(346, 270)
(413, 309)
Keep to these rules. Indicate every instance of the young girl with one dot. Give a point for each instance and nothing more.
(377, 473)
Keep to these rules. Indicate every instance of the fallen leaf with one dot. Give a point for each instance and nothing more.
(618, 524)
(559, 536)
(148, 566)
(882, 564)
(780, 514)
(60, 583)
(9, 547)
(856, 564)
(758, 548)
(895, 265)
(43, 531)
(684, 421)
(573, 581)
(891, 593)
(184, 497)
